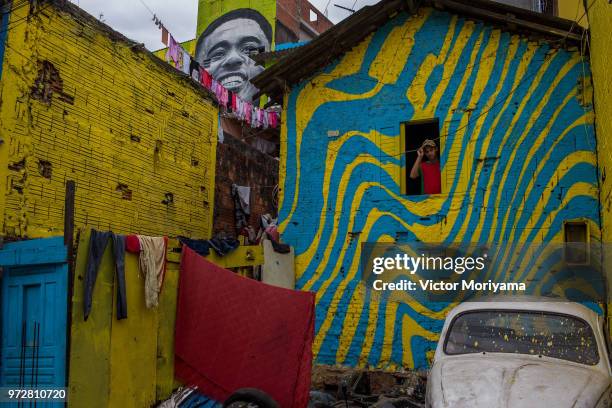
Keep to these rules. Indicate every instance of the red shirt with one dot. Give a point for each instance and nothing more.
(430, 171)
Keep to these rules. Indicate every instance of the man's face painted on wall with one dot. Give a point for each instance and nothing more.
(226, 55)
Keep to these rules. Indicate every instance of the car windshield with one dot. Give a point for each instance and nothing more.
(535, 333)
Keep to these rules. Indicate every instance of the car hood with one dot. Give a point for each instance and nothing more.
(510, 381)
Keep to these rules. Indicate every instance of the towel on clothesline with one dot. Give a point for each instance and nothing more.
(152, 263)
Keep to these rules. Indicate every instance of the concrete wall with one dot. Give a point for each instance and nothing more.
(81, 103)
(517, 155)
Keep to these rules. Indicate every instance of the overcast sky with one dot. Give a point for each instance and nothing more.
(131, 17)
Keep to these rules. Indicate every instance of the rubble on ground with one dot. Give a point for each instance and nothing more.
(351, 387)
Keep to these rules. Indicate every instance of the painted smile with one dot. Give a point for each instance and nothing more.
(233, 81)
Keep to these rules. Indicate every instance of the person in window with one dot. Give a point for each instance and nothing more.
(428, 169)
(225, 48)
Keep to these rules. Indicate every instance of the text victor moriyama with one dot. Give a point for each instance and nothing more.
(439, 286)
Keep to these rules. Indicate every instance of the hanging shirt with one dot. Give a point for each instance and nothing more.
(234, 103)
(164, 36)
(172, 55)
(248, 110)
(273, 119)
(179, 61)
(430, 171)
(186, 62)
(265, 121)
(194, 70)
(224, 96)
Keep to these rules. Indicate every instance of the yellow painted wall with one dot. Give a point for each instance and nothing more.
(80, 102)
(121, 363)
(573, 10)
(117, 119)
(600, 42)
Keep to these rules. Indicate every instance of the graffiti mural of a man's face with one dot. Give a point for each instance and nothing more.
(224, 49)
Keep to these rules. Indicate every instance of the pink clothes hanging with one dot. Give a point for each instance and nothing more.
(234, 103)
(173, 50)
(273, 119)
(224, 96)
(205, 78)
(248, 111)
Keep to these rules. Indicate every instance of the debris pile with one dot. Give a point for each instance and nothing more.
(351, 388)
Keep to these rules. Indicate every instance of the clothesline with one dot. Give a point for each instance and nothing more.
(229, 101)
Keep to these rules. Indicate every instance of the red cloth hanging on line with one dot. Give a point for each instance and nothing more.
(233, 332)
(164, 36)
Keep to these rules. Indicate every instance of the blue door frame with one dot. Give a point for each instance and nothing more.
(34, 313)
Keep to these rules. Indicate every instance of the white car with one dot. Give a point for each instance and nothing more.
(521, 353)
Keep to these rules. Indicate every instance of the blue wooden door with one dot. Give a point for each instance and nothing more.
(34, 315)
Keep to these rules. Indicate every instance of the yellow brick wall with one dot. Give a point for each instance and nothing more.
(80, 102)
(600, 42)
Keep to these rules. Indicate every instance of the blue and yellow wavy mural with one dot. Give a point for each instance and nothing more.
(517, 154)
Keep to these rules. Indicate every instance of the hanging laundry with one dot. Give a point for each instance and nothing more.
(253, 334)
(200, 246)
(97, 244)
(214, 87)
(186, 62)
(152, 263)
(239, 108)
(260, 115)
(224, 97)
(220, 134)
(164, 36)
(264, 119)
(234, 102)
(205, 78)
(244, 197)
(253, 117)
(273, 119)
(273, 233)
(172, 55)
(223, 246)
(119, 252)
(132, 244)
(241, 196)
(248, 109)
(194, 70)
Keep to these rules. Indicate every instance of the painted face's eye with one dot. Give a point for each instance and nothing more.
(249, 48)
(217, 55)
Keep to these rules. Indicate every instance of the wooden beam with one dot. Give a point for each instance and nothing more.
(507, 19)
